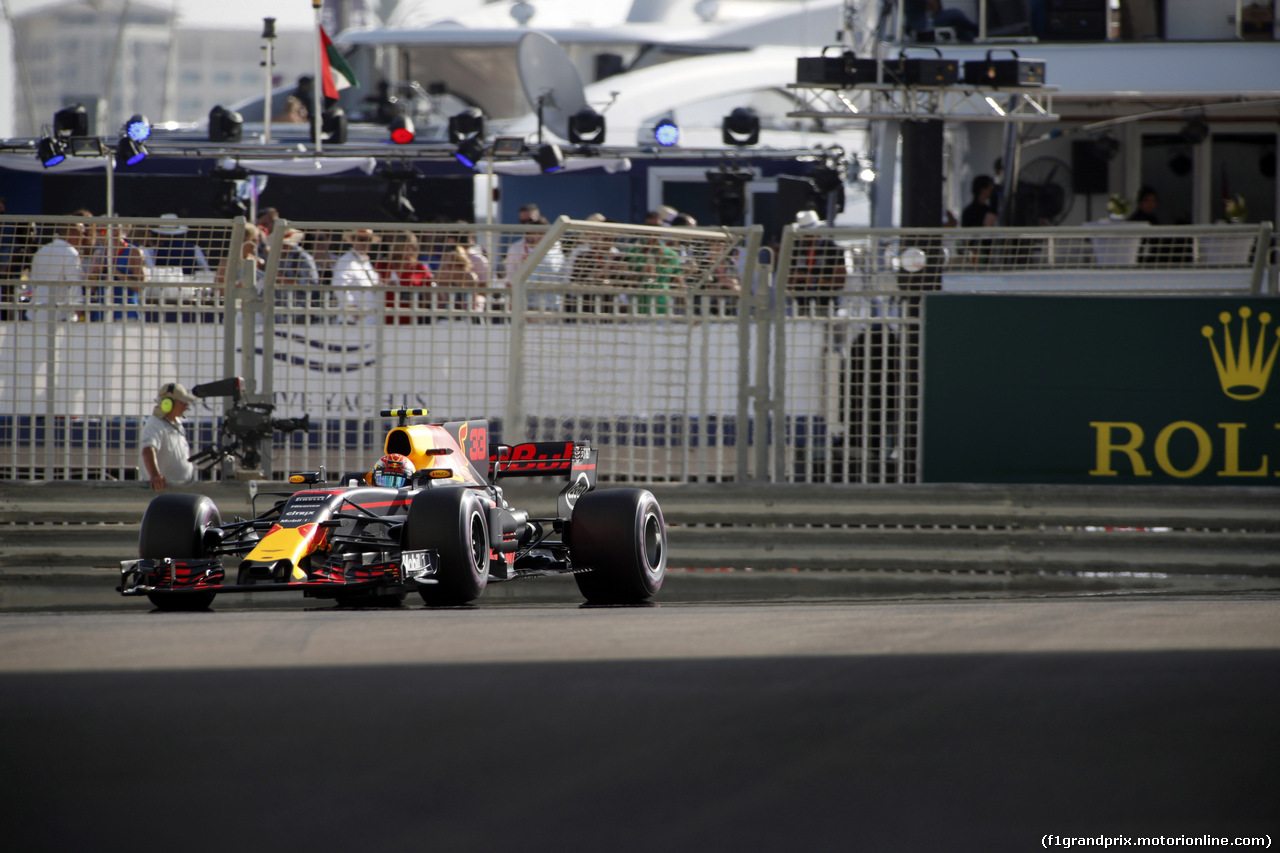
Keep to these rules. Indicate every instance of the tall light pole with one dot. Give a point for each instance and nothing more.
(269, 62)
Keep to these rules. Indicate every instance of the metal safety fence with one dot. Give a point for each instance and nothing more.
(685, 354)
(574, 330)
(852, 384)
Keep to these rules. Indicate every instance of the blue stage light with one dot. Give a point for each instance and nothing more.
(470, 151)
(51, 151)
(138, 128)
(130, 151)
(666, 132)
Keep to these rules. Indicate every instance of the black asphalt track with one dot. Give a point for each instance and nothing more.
(867, 752)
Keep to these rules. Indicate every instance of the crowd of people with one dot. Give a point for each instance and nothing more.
(109, 261)
(95, 270)
(444, 275)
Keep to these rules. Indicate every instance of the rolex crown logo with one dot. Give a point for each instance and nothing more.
(1243, 373)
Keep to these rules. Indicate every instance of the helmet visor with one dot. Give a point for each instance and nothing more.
(389, 480)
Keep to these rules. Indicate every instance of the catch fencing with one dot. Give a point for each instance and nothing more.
(685, 354)
(852, 336)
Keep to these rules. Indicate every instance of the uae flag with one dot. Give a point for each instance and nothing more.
(335, 73)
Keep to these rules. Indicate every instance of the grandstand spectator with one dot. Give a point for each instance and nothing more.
(400, 270)
(653, 266)
(59, 261)
(529, 214)
(818, 268)
(479, 260)
(355, 277)
(297, 279)
(170, 247)
(267, 219)
(549, 269)
(248, 252)
(119, 261)
(458, 276)
(664, 215)
(595, 261)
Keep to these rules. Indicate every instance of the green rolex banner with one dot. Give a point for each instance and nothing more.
(1076, 389)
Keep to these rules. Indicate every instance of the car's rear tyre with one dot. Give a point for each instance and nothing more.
(620, 535)
(453, 523)
(175, 526)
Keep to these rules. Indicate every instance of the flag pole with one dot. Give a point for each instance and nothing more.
(317, 85)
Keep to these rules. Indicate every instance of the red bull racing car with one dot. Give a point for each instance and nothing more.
(434, 521)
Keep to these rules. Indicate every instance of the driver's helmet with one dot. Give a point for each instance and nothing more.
(393, 471)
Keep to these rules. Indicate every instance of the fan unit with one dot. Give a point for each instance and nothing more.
(1043, 195)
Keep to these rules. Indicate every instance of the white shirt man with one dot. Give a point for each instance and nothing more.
(550, 270)
(164, 447)
(355, 270)
(56, 261)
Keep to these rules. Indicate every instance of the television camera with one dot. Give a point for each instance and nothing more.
(244, 426)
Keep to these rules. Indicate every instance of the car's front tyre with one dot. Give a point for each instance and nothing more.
(175, 526)
(452, 522)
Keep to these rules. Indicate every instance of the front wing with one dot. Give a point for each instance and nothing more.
(343, 573)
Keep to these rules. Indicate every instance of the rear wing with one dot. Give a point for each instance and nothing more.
(548, 458)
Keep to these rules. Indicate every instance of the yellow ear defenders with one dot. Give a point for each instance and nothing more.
(166, 402)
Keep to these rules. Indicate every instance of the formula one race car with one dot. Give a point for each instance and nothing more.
(437, 524)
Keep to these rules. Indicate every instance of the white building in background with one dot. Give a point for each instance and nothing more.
(64, 54)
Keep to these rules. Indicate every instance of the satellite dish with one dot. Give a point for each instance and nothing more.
(549, 77)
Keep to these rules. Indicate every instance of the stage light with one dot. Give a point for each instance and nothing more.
(51, 151)
(130, 151)
(225, 125)
(470, 151)
(549, 158)
(740, 127)
(138, 128)
(586, 127)
(402, 130)
(866, 168)
(666, 133)
(71, 121)
(466, 124)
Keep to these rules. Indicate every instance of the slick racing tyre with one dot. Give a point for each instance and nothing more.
(620, 535)
(454, 524)
(174, 526)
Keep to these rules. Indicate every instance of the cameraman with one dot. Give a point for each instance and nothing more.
(164, 439)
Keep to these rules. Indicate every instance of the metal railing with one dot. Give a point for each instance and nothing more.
(677, 351)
